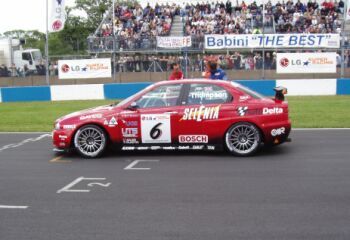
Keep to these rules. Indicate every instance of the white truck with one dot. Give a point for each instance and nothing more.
(11, 52)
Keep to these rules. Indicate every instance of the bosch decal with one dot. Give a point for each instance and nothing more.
(193, 139)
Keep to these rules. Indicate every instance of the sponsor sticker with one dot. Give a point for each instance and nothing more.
(243, 98)
(69, 126)
(242, 110)
(62, 137)
(278, 131)
(130, 132)
(128, 148)
(130, 141)
(92, 116)
(113, 122)
(201, 113)
(198, 147)
(130, 123)
(275, 110)
(193, 139)
(209, 147)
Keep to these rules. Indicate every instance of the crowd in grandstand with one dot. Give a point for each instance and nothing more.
(137, 27)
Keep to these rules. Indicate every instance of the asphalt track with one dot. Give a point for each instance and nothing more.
(299, 190)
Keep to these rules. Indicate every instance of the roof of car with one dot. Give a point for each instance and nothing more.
(195, 80)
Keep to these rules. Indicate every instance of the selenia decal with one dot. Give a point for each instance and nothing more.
(201, 113)
(155, 128)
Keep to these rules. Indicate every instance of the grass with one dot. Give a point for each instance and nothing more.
(305, 112)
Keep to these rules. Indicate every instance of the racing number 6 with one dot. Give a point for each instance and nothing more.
(155, 131)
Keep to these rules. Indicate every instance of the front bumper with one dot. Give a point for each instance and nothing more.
(62, 139)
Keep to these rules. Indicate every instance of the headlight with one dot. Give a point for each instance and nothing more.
(57, 126)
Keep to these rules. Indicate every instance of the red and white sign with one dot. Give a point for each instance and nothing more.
(58, 16)
(347, 10)
(324, 62)
(85, 68)
(193, 139)
(174, 42)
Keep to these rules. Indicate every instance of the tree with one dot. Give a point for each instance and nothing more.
(95, 10)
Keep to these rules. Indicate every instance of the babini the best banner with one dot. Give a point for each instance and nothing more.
(58, 16)
(174, 42)
(325, 62)
(235, 41)
(85, 68)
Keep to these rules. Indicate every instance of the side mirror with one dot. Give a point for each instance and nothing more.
(30, 62)
(133, 106)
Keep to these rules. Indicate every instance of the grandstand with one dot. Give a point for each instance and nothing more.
(136, 27)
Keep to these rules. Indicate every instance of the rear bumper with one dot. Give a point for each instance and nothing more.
(277, 132)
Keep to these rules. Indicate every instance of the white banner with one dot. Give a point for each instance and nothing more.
(234, 41)
(347, 10)
(58, 16)
(306, 62)
(174, 42)
(85, 68)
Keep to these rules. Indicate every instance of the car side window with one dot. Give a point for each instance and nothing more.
(162, 96)
(208, 94)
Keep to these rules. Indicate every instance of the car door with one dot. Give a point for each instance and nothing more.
(154, 117)
(207, 113)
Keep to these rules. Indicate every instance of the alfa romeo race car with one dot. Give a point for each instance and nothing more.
(178, 115)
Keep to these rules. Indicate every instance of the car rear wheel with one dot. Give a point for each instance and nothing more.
(243, 139)
(90, 141)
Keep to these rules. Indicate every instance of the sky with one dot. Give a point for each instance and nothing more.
(24, 14)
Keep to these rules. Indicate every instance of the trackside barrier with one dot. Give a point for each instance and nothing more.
(296, 87)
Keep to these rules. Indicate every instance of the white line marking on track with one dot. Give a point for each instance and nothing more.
(13, 207)
(15, 145)
(131, 166)
(68, 187)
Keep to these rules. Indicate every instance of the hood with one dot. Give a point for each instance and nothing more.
(87, 112)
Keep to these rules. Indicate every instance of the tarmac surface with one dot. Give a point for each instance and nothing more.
(299, 190)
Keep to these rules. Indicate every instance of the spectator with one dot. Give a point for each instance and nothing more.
(216, 73)
(176, 72)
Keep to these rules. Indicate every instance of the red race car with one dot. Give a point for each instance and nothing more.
(178, 115)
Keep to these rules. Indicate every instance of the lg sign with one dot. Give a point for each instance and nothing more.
(65, 68)
(193, 139)
(284, 62)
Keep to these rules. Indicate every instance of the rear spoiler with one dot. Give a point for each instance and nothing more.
(280, 92)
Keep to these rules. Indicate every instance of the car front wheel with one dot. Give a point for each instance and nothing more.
(243, 139)
(90, 141)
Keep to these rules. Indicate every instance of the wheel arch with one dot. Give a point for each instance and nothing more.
(71, 144)
(262, 135)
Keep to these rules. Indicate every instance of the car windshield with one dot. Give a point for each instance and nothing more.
(37, 55)
(121, 103)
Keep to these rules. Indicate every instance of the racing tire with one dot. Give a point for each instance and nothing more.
(243, 139)
(90, 141)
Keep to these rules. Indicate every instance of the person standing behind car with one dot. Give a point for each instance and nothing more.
(176, 73)
(216, 73)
